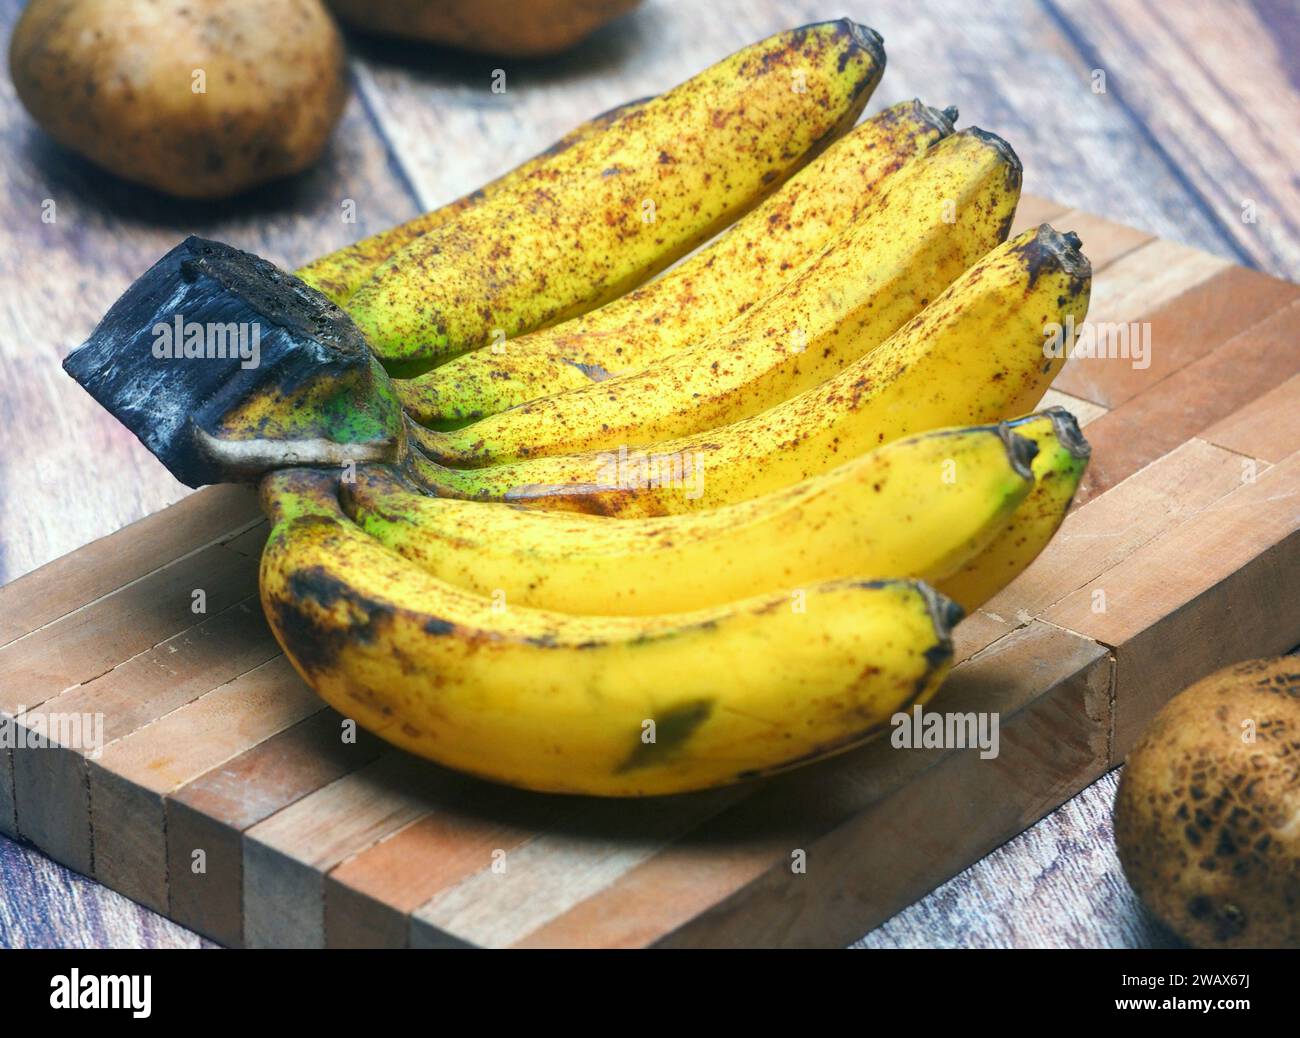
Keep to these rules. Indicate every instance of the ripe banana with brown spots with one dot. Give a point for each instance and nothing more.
(340, 273)
(609, 706)
(702, 294)
(919, 508)
(975, 355)
(1058, 468)
(617, 207)
(933, 220)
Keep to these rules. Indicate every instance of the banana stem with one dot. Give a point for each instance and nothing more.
(225, 366)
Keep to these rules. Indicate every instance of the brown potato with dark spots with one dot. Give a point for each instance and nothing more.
(1207, 816)
(197, 98)
(536, 28)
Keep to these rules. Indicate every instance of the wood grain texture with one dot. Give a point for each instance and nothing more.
(44, 905)
(1018, 68)
(1267, 428)
(1197, 395)
(1238, 601)
(72, 651)
(210, 814)
(286, 855)
(129, 782)
(1214, 86)
(51, 783)
(1104, 532)
(562, 867)
(102, 568)
(370, 897)
(1056, 885)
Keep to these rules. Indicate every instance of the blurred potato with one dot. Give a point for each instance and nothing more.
(197, 98)
(513, 28)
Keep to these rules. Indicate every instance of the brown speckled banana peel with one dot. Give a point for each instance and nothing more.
(615, 208)
(933, 220)
(975, 355)
(705, 292)
(1058, 468)
(339, 274)
(917, 508)
(609, 706)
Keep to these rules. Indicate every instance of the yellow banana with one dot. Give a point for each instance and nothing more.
(617, 207)
(975, 355)
(702, 294)
(916, 508)
(613, 706)
(339, 274)
(1058, 468)
(933, 220)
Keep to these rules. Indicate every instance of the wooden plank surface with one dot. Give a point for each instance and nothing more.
(1170, 622)
(341, 863)
(1212, 84)
(1197, 395)
(287, 856)
(1114, 163)
(52, 786)
(211, 813)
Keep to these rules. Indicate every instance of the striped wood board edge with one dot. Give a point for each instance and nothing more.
(224, 796)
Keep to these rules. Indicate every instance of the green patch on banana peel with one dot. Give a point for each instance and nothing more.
(314, 421)
(673, 731)
(291, 494)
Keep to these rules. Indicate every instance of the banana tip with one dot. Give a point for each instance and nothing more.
(1020, 449)
(1066, 249)
(1068, 433)
(868, 39)
(1000, 145)
(944, 612)
(942, 119)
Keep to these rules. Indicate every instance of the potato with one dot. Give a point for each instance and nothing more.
(1207, 815)
(535, 28)
(198, 98)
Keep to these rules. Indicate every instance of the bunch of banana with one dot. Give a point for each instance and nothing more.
(613, 208)
(974, 355)
(699, 296)
(640, 542)
(920, 507)
(611, 705)
(930, 223)
(586, 654)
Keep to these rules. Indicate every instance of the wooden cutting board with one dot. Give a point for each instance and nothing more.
(225, 795)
